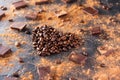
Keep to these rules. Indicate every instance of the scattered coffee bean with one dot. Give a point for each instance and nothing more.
(21, 60)
(16, 75)
(102, 65)
(85, 53)
(17, 44)
(82, 21)
(3, 8)
(105, 7)
(10, 20)
(41, 10)
(47, 40)
(58, 61)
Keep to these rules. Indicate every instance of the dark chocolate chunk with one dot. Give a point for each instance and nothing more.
(20, 4)
(11, 78)
(42, 2)
(68, 1)
(109, 52)
(91, 10)
(44, 73)
(96, 30)
(31, 16)
(77, 58)
(4, 50)
(2, 14)
(60, 13)
(18, 26)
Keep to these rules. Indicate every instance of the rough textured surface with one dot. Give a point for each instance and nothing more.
(108, 18)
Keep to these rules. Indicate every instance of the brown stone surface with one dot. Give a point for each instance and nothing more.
(97, 66)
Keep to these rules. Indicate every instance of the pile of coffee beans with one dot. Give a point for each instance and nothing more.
(47, 40)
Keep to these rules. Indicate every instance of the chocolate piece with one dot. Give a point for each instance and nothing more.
(2, 14)
(68, 1)
(61, 13)
(10, 78)
(31, 16)
(20, 4)
(109, 52)
(42, 2)
(106, 50)
(77, 58)
(18, 26)
(4, 50)
(44, 73)
(91, 10)
(96, 30)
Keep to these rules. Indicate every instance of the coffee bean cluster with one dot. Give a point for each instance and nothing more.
(47, 40)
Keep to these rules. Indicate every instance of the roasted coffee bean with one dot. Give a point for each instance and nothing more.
(11, 20)
(102, 65)
(3, 8)
(16, 75)
(47, 40)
